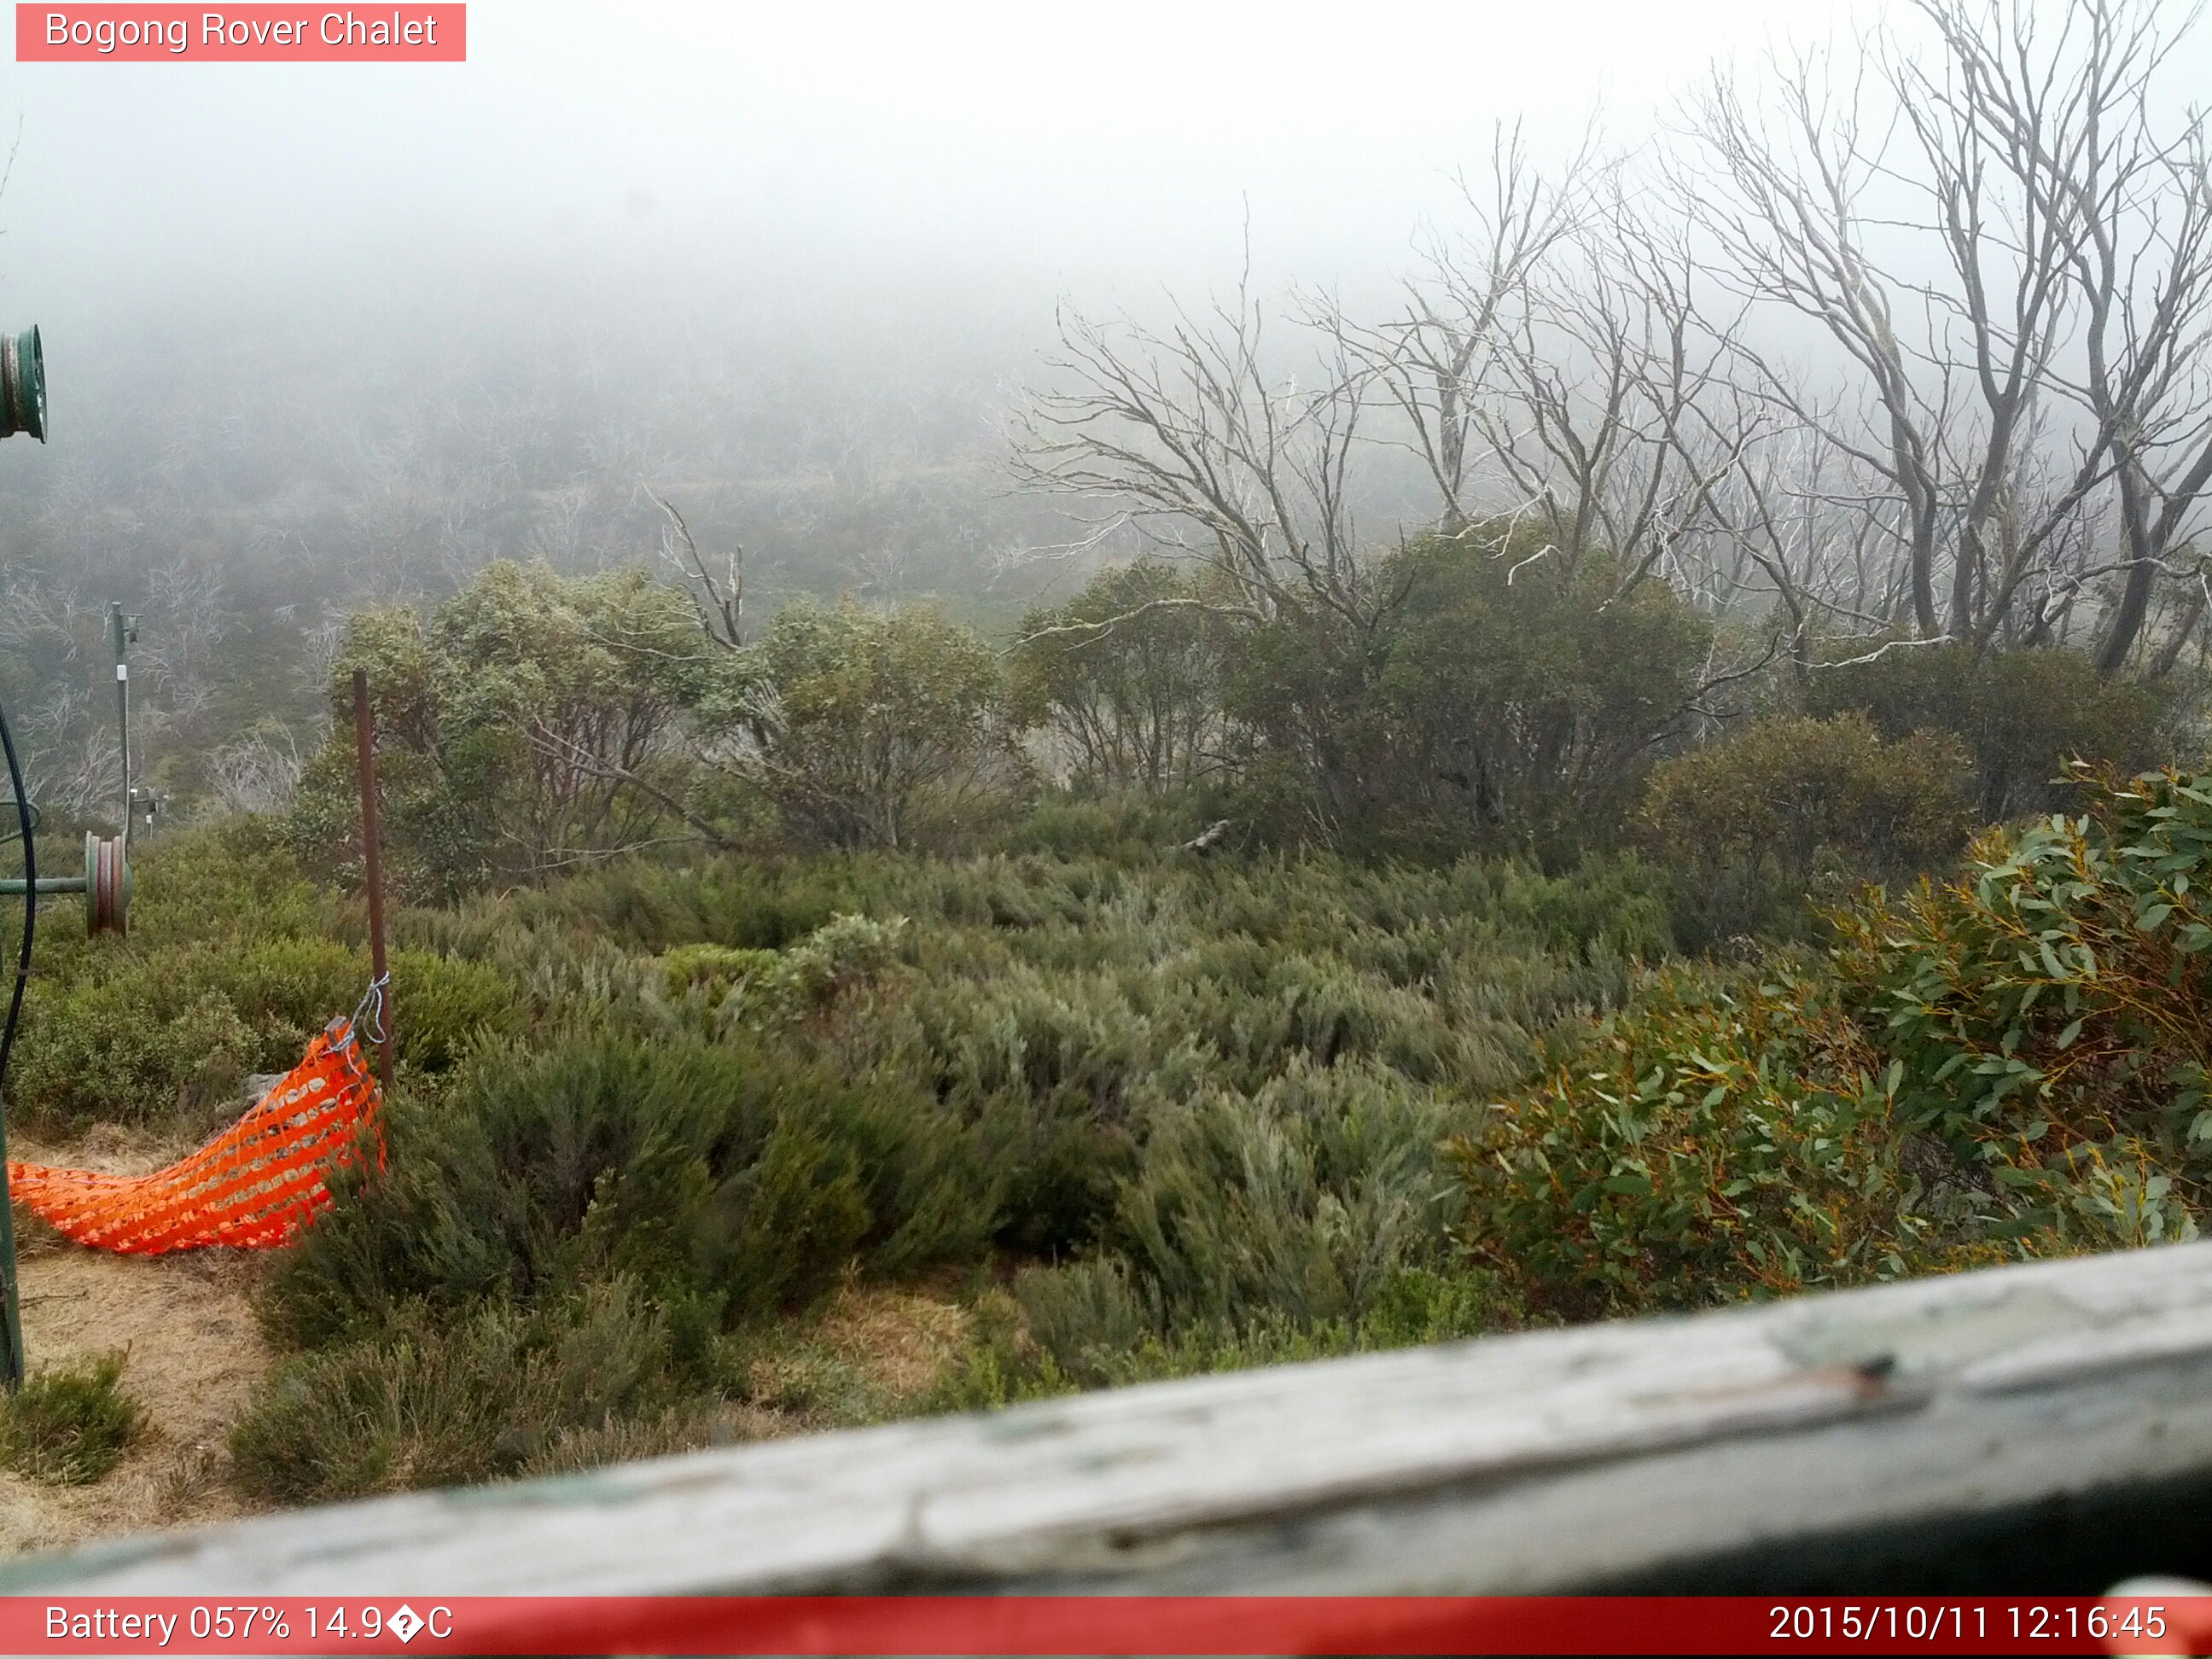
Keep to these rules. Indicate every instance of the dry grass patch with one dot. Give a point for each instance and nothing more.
(872, 1353)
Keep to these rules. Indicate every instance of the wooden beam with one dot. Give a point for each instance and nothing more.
(1534, 1462)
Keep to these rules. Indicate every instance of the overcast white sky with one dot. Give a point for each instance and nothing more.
(860, 216)
(1103, 142)
(669, 165)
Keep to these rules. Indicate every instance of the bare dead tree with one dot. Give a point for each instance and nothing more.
(187, 617)
(1778, 527)
(2068, 111)
(1244, 460)
(1613, 410)
(1214, 452)
(720, 597)
(258, 773)
(2004, 246)
(1432, 362)
(1823, 202)
(1780, 198)
(2017, 263)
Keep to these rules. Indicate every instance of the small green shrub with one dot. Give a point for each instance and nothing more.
(1084, 1325)
(1132, 829)
(230, 967)
(716, 1179)
(68, 1425)
(1789, 806)
(1302, 1200)
(284, 988)
(2022, 714)
(1505, 696)
(1085, 1316)
(132, 1046)
(712, 970)
(687, 1426)
(812, 972)
(233, 879)
(433, 1401)
(443, 1005)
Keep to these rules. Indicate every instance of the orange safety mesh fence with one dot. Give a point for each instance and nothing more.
(253, 1186)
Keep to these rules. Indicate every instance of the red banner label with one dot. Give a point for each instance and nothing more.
(1178, 1625)
(241, 34)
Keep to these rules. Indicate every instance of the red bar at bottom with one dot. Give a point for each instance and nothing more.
(1056, 1624)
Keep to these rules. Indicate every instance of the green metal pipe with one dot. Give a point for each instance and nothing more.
(22, 409)
(121, 633)
(107, 883)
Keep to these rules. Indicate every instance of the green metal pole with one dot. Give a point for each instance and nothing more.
(11, 1316)
(11, 1364)
(22, 409)
(118, 638)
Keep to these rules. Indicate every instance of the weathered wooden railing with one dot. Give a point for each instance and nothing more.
(2039, 1428)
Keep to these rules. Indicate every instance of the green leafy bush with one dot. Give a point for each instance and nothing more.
(284, 988)
(1715, 1140)
(2011, 1062)
(2021, 713)
(1500, 697)
(2052, 1009)
(1792, 805)
(1127, 676)
(523, 725)
(877, 730)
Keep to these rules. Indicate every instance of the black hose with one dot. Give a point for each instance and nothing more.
(24, 816)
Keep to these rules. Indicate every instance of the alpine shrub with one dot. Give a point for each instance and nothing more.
(68, 1425)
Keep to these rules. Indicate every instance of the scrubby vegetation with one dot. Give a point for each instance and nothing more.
(1789, 806)
(1502, 993)
(1167, 1098)
(68, 1425)
(2009, 1061)
(1513, 793)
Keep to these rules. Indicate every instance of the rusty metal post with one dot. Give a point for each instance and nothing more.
(372, 850)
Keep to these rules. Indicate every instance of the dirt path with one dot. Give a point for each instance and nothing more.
(193, 1355)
